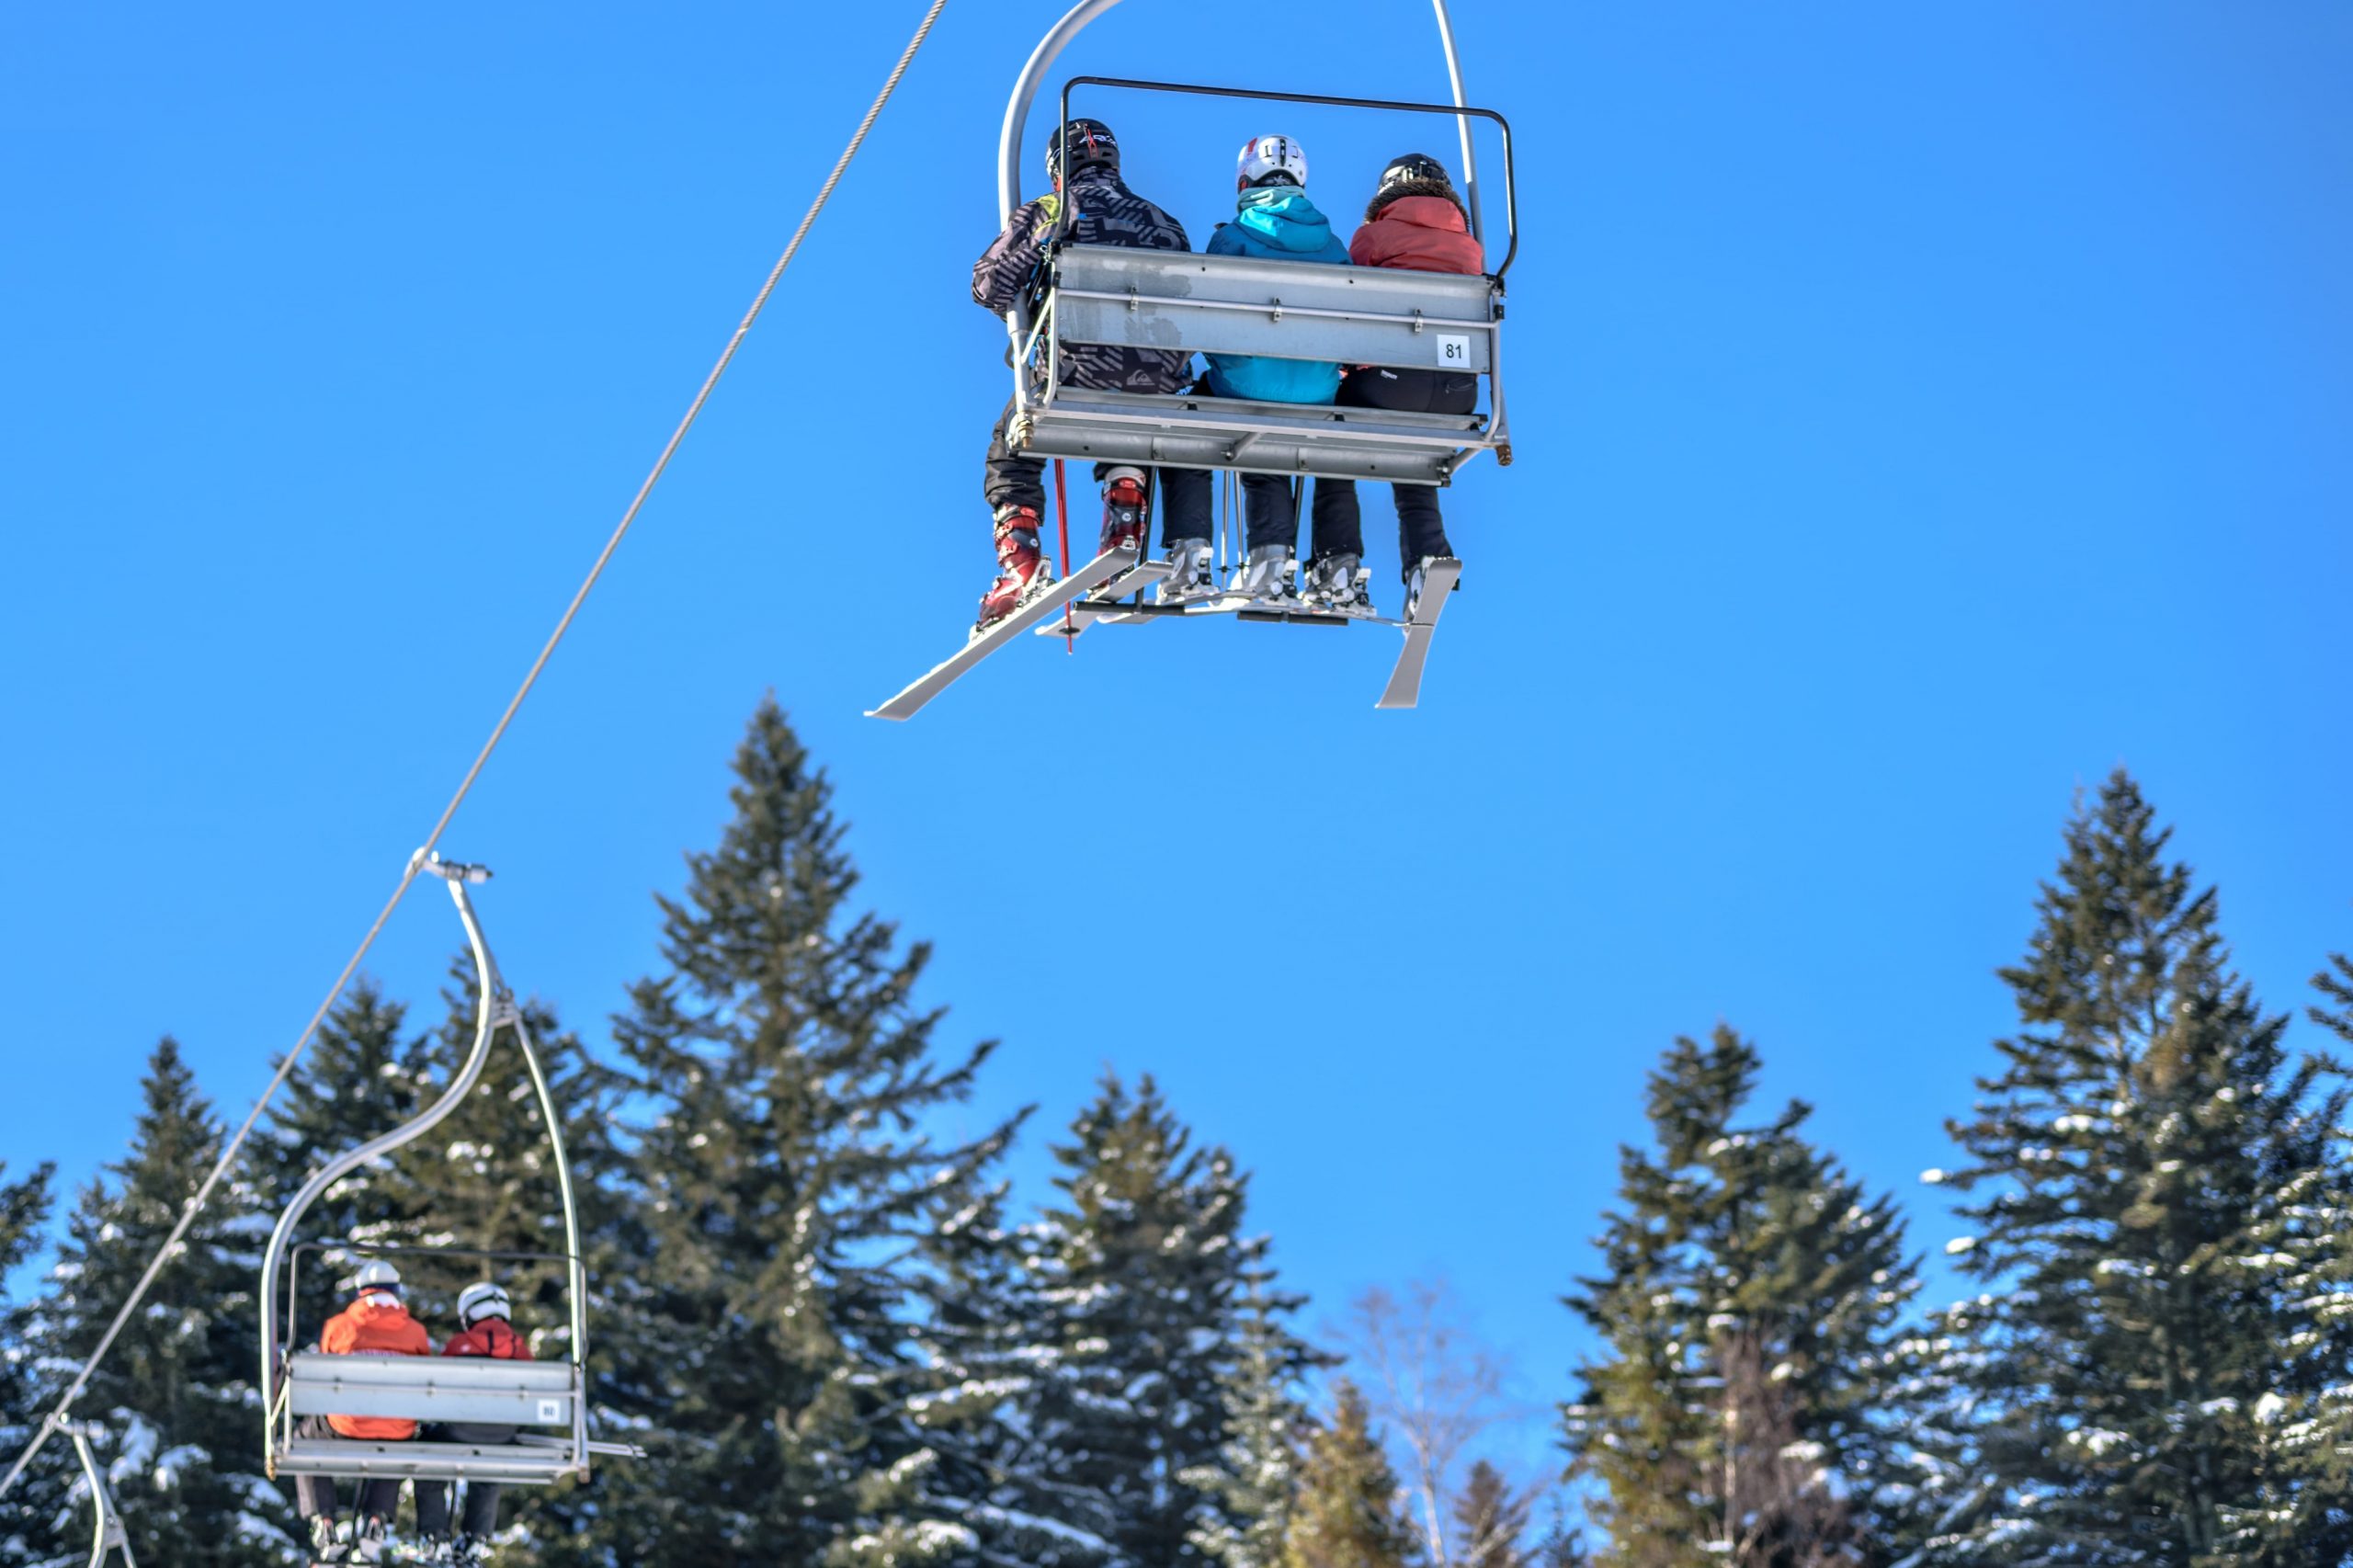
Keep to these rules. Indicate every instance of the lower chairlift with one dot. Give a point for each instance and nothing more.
(545, 1401)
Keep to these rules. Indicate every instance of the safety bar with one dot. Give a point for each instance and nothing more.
(1511, 205)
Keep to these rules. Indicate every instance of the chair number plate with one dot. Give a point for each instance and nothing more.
(550, 1412)
(1454, 351)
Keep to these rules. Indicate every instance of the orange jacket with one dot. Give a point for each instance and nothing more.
(372, 1328)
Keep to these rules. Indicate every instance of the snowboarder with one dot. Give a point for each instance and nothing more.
(1274, 220)
(486, 1328)
(1103, 211)
(1416, 221)
(375, 1323)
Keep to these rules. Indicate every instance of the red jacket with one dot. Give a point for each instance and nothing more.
(1420, 233)
(370, 1328)
(494, 1338)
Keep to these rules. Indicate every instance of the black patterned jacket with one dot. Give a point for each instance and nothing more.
(1108, 213)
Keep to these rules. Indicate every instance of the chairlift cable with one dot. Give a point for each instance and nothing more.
(408, 874)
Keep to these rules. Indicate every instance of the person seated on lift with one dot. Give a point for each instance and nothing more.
(376, 1323)
(1104, 212)
(485, 1329)
(1418, 222)
(1275, 220)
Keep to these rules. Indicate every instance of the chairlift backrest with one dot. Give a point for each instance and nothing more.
(1292, 310)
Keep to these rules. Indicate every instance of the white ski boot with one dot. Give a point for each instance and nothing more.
(1337, 585)
(326, 1544)
(1267, 578)
(1195, 578)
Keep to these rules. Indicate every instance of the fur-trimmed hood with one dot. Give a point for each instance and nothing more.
(1403, 188)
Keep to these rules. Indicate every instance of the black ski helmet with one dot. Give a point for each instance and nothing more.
(1091, 144)
(1415, 166)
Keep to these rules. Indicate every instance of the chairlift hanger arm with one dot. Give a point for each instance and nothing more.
(1458, 111)
(1057, 37)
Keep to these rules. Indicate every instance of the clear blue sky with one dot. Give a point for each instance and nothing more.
(1921, 410)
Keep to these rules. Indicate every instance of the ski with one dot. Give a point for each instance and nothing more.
(1405, 689)
(1112, 563)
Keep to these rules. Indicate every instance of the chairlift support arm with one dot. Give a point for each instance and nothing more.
(1057, 37)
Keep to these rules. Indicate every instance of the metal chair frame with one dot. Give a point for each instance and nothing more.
(544, 1393)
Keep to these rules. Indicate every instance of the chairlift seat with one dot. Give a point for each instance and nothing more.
(514, 1464)
(1221, 305)
(479, 1391)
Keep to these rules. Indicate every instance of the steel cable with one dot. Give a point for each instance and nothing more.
(228, 1155)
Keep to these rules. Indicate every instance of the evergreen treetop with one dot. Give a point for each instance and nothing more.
(176, 1395)
(2148, 1180)
(1349, 1513)
(1750, 1397)
(789, 1179)
(37, 1494)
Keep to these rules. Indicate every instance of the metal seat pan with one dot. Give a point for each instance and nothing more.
(1286, 438)
(518, 1465)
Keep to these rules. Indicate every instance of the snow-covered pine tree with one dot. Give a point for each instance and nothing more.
(40, 1492)
(1748, 1407)
(1491, 1522)
(2144, 1174)
(1255, 1475)
(176, 1393)
(788, 1178)
(1349, 1512)
(1142, 1269)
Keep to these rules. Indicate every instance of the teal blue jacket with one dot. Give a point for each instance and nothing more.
(1276, 222)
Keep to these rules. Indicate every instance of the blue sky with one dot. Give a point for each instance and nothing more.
(1920, 410)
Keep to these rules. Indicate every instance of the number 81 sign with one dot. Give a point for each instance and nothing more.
(1454, 353)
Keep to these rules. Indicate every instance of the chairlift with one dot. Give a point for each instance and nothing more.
(1241, 305)
(545, 1401)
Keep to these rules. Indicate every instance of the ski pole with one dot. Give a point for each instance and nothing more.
(1061, 522)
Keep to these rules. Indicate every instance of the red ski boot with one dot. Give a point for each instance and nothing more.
(1127, 511)
(1022, 568)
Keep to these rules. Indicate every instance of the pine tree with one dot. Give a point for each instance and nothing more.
(1255, 1475)
(1491, 1522)
(1349, 1514)
(176, 1393)
(787, 1186)
(1142, 1269)
(1747, 1409)
(40, 1492)
(2149, 1176)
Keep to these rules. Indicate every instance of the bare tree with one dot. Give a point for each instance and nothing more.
(1436, 1384)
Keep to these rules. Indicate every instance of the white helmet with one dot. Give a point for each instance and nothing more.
(1267, 159)
(482, 1301)
(377, 1275)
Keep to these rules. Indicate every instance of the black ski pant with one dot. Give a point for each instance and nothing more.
(477, 1519)
(1010, 481)
(314, 1496)
(1421, 529)
(1270, 509)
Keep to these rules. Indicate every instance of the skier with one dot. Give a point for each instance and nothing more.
(1274, 220)
(1103, 211)
(484, 1329)
(375, 1323)
(1416, 222)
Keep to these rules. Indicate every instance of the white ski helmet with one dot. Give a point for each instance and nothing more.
(483, 1301)
(377, 1275)
(1268, 159)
